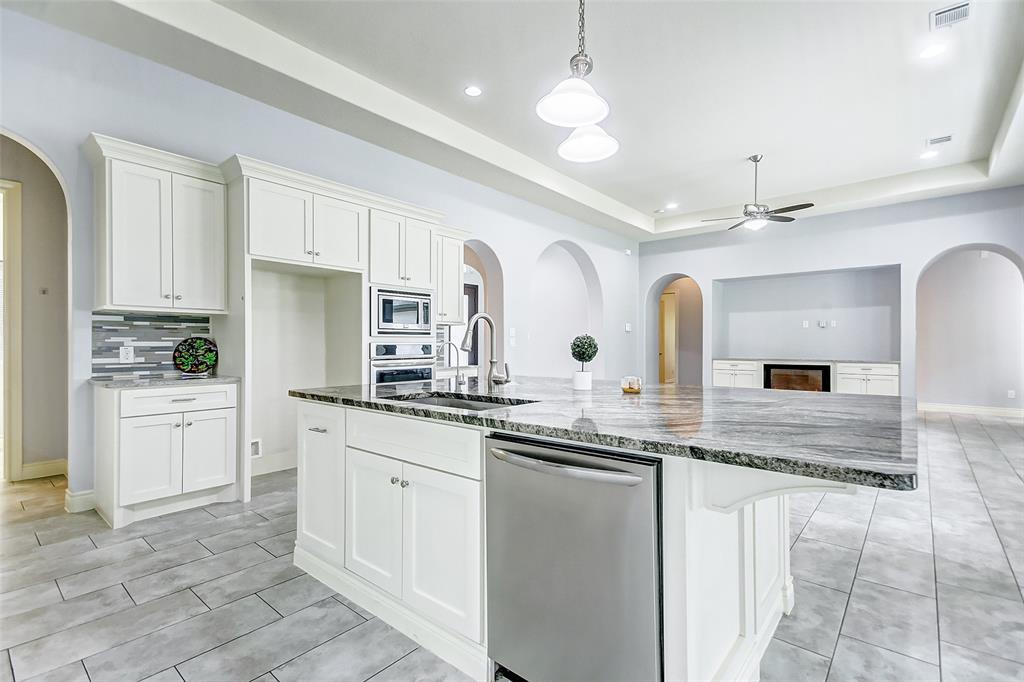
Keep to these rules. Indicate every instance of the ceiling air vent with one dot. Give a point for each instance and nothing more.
(939, 140)
(953, 14)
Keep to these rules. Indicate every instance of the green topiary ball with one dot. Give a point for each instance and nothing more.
(583, 348)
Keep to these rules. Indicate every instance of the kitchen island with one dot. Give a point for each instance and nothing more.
(392, 484)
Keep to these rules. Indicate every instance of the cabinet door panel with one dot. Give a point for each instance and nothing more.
(850, 384)
(722, 378)
(140, 239)
(386, 259)
(418, 254)
(373, 519)
(744, 380)
(441, 548)
(340, 233)
(209, 452)
(150, 458)
(199, 243)
(321, 481)
(882, 385)
(450, 282)
(280, 221)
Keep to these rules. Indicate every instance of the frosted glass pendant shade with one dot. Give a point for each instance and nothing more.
(587, 144)
(755, 223)
(571, 104)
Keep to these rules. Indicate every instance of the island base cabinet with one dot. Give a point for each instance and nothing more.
(415, 532)
(321, 481)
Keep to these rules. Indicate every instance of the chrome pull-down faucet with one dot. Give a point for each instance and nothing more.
(460, 380)
(494, 377)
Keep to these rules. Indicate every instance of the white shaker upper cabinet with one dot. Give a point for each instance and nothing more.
(280, 221)
(140, 236)
(450, 281)
(418, 252)
(209, 452)
(199, 243)
(387, 261)
(340, 233)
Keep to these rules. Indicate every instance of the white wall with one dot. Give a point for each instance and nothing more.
(561, 304)
(910, 235)
(44, 331)
(762, 317)
(970, 311)
(56, 87)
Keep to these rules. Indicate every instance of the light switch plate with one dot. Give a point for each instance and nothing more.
(1011, 394)
(807, 324)
(629, 327)
(126, 355)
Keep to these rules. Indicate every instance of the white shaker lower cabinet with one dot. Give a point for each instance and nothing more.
(735, 373)
(868, 378)
(164, 449)
(373, 519)
(321, 481)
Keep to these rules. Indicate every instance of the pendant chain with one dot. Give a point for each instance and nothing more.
(583, 39)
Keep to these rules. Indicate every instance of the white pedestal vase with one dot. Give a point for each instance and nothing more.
(582, 381)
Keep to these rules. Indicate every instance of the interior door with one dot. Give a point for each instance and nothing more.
(150, 461)
(209, 452)
(340, 233)
(140, 239)
(321, 481)
(280, 221)
(418, 253)
(450, 282)
(199, 238)
(668, 355)
(386, 260)
(441, 570)
(373, 519)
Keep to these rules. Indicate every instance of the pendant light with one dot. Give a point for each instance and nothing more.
(574, 103)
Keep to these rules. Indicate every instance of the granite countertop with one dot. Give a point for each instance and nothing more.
(867, 440)
(163, 381)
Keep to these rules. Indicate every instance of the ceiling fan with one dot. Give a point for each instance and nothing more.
(755, 215)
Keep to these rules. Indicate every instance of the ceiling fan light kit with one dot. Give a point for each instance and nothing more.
(756, 216)
(574, 103)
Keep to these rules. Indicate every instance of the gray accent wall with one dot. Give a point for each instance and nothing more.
(970, 313)
(762, 317)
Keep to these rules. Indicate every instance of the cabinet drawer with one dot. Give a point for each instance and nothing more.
(867, 368)
(164, 400)
(745, 365)
(438, 446)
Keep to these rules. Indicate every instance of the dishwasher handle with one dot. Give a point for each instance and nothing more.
(567, 470)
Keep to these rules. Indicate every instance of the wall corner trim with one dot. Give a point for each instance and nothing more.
(80, 501)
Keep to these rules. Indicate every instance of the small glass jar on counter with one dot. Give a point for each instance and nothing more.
(631, 384)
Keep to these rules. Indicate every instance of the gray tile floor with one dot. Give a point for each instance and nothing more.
(922, 585)
(208, 594)
(889, 585)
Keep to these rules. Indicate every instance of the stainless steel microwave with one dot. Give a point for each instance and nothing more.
(401, 312)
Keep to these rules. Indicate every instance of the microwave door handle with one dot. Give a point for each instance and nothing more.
(567, 470)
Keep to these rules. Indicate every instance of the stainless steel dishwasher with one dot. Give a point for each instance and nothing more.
(573, 563)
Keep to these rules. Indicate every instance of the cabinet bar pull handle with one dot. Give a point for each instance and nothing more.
(188, 423)
(316, 253)
(178, 425)
(309, 253)
(167, 295)
(404, 484)
(317, 429)
(394, 480)
(177, 297)
(182, 400)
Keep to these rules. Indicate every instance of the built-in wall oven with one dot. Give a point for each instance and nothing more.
(400, 312)
(397, 361)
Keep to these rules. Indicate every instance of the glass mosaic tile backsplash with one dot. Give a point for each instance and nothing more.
(153, 336)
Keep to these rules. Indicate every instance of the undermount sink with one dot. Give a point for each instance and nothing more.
(473, 403)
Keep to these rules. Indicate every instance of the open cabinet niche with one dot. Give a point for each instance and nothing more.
(307, 331)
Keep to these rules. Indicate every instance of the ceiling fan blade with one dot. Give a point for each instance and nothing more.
(737, 224)
(787, 209)
(779, 218)
(711, 220)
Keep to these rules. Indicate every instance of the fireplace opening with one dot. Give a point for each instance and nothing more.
(798, 377)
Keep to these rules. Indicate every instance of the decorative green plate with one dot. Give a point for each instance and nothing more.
(195, 355)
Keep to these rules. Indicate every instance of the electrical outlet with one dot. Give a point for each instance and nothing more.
(1011, 394)
(832, 324)
(126, 355)
(629, 327)
(807, 324)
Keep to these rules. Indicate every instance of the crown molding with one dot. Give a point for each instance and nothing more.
(99, 147)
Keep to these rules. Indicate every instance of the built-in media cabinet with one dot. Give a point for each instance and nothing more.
(867, 378)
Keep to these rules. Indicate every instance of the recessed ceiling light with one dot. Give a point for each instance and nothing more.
(473, 91)
(659, 210)
(929, 154)
(671, 205)
(933, 50)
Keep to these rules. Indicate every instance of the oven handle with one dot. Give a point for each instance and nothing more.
(566, 470)
(411, 362)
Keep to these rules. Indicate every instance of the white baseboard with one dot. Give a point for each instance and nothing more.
(1011, 412)
(50, 467)
(274, 461)
(83, 500)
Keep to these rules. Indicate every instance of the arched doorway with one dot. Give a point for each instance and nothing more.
(675, 331)
(484, 291)
(970, 329)
(566, 301)
(35, 322)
